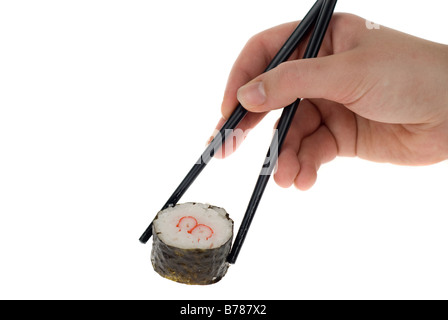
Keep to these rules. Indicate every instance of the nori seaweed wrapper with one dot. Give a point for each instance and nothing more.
(190, 266)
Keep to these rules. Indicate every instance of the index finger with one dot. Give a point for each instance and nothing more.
(251, 62)
(344, 33)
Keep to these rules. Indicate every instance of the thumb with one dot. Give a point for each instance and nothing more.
(334, 77)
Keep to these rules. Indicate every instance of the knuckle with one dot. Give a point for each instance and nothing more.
(255, 40)
(293, 75)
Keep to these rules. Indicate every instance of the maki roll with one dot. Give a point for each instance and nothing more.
(191, 242)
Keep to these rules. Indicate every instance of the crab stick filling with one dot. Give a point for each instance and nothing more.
(202, 232)
(187, 223)
(199, 231)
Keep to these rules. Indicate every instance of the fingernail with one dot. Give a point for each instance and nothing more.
(252, 95)
(215, 132)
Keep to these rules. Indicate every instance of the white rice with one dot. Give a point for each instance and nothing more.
(214, 218)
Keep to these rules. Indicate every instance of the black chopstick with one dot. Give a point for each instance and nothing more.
(284, 123)
(239, 113)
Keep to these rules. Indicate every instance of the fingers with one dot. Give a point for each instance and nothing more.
(337, 75)
(317, 149)
(337, 78)
(320, 131)
(252, 61)
(233, 141)
(344, 34)
(301, 169)
(237, 136)
(332, 77)
(305, 122)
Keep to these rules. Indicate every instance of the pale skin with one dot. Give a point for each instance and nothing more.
(376, 94)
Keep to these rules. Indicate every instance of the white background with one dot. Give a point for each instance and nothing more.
(105, 106)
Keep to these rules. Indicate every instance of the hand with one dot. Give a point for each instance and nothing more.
(377, 94)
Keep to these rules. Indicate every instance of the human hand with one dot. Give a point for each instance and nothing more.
(377, 94)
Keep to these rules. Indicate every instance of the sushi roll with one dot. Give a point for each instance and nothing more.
(191, 242)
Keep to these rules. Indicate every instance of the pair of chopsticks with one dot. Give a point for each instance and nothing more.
(319, 16)
(321, 26)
